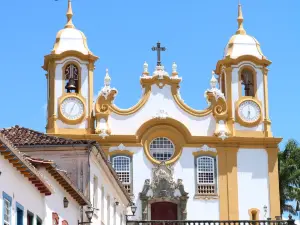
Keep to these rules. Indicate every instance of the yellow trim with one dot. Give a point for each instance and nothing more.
(91, 68)
(120, 152)
(222, 184)
(239, 119)
(51, 124)
(178, 126)
(163, 131)
(273, 182)
(246, 133)
(267, 122)
(228, 183)
(203, 153)
(57, 57)
(60, 114)
(228, 62)
(253, 211)
(134, 108)
(230, 121)
(232, 184)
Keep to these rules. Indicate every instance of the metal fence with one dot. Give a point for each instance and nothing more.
(211, 222)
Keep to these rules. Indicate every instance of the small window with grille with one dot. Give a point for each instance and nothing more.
(162, 149)
(206, 175)
(122, 166)
(7, 212)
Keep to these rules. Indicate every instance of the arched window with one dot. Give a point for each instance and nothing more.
(206, 175)
(247, 82)
(71, 75)
(162, 149)
(122, 166)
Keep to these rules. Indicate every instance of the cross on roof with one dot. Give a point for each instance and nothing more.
(158, 49)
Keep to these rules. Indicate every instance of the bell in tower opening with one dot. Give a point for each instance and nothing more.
(71, 77)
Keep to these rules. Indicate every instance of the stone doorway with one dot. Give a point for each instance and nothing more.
(164, 211)
(161, 191)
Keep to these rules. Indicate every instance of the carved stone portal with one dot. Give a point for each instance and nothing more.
(163, 188)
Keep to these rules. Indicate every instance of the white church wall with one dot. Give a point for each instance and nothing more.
(54, 203)
(184, 169)
(253, 187)
(106, 197)
(161, 99)
(21, 191)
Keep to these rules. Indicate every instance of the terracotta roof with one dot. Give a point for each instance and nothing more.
(62, 178)
(21, 136)
(17, 159)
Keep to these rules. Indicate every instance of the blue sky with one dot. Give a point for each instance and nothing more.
(122, 33)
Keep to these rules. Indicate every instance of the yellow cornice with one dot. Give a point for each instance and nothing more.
(120, 152)
(191, 141)
(227, 62)
(203, 153)
(53, 56)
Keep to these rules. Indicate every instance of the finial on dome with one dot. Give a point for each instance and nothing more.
(146, 73)
(107, 79)
(213, 81)
(174, 69)
(69, 23)
(240, 20)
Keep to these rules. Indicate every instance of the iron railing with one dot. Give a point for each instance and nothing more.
(290, 221)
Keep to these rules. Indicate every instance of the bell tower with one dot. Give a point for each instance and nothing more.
(70, 70)
(243, 78)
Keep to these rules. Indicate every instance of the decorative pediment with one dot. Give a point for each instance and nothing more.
(163, 188)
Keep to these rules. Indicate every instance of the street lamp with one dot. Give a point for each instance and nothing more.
(66, 202)
(89, 214)
(133, 210)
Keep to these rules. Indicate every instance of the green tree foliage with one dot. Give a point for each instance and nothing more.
(289, 177)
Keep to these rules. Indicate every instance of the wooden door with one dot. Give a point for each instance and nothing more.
(163, 211)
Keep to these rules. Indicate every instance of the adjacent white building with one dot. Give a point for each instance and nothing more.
(36, 190)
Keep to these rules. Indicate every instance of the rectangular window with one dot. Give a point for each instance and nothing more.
(122, 166)
(6, 209)
(20, 213)
(95, 191)
(102, 204)
(115, 214)
(206, 175)
(29, 218)
(38, 221)
(108, 210)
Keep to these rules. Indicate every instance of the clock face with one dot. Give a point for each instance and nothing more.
(249, 111)
(72, 108)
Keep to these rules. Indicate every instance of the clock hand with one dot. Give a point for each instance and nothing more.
(72, 108)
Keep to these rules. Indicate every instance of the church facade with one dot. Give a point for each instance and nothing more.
(176, 162)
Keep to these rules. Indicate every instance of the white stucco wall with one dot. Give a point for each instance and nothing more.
(20, 190)
(183, 169)
(110, 191)
(158, 100)
(253, 186)
(54, 203)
